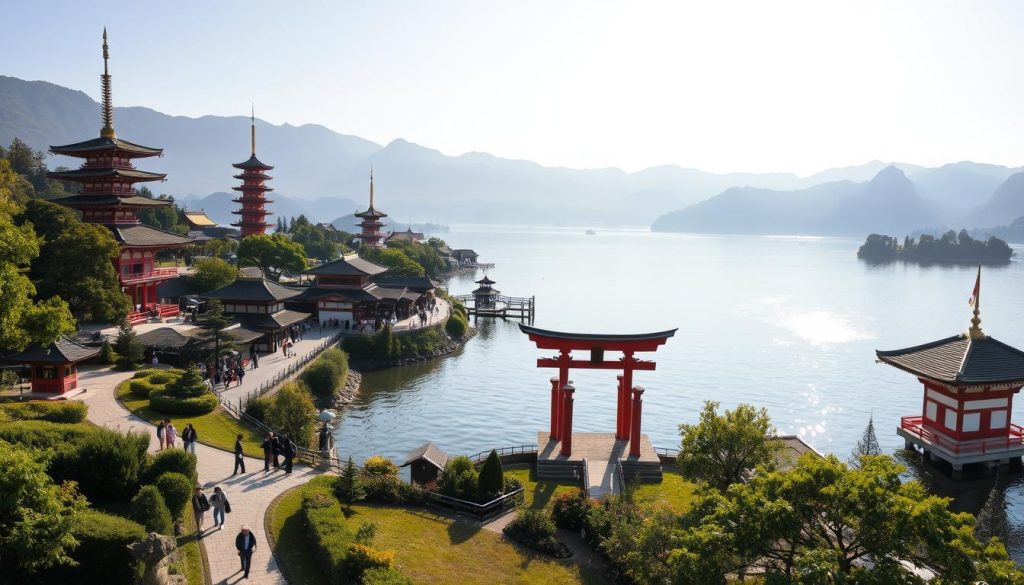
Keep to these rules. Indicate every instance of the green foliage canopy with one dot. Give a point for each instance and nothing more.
(722, 449)
(274, 255)
(210, 274)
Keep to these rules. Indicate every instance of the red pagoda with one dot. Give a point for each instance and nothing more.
(253, 199)
(107, 196)
(370, 235)
(969, 382)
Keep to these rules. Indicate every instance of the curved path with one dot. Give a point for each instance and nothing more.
(249, 493)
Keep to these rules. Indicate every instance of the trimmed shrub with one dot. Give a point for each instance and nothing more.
(173, 461)
(57, 411)
(459, 479)
(161, 402)
(384, 489)
(327, 531)
(491, 482)
(176, 488)
(360, 558)
(142, 387)
(107, 355)
(40, 434)
(161, 377)
(378, 465)
(258, 407)
(382, 576)
(144, 373)
(190, 384)
(293, 413)
(323, 376)
(101, 555)
(149, 509)
(108, 465)
(569, 509)
(534, 529)
(456, 326)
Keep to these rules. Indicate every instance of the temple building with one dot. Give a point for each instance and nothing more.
(485, 296)
(370, 234)
(407, 236)
(53, 368)
(107, 196)
(259, 306)
(969, 382)
(253, 221)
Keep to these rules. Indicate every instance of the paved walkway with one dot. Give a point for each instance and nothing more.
(272, 363)
(249, 493)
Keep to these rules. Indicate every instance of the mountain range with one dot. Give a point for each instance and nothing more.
(324, 174)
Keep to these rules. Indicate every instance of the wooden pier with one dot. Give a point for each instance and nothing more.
(503, 307)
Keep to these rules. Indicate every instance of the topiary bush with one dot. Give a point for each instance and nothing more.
(58, 411)
(108, 465)
(162, 377)
(459, 479)
(378, 465)
(149, 509)
(323, 377)
(176, 488)
(569, 509)
(456, 326)
(491, 482)
(190, 384)
(328, 533)
(534, 529)
(161, 402)
(360, 558)
(174, 461)
(144, 373)
(142, 387)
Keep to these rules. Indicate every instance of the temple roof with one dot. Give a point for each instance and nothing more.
(428, 452)
(253, 163)
(255, 290)
(105, 173)
(62, 351)
(960, 360)
(103, 144)
(351, 265)
(273, 320)
(86, 200)
(167, 337)
(371, 213)
(419, 284)
(354, 294)
(144, 236)
(485, 290)
(485, 281)
(199, 219)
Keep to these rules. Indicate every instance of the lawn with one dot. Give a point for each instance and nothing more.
(288, 540)
(216, 429)
(538, 494)
(673, 490)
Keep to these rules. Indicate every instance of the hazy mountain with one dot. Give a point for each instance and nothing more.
(887, 204)
(219, 207)
(1005, 205)
(957, 187)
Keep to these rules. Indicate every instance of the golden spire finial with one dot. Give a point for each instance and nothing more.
(107, 108)
(975, 331)
(371, 186)
(252, 129)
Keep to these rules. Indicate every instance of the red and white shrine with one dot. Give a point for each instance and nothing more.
(969, 383)
(53, 368)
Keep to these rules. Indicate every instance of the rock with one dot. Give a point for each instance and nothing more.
(153, 552)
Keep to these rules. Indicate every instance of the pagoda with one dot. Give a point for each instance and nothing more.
(485, 296)
(370, 234)
(253, 199)
(106, 196)
(969, 383)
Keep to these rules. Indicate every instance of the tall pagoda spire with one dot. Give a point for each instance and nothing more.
(370, 233)
(253, 200)
(252, 129)
(108, 109)
(975, 331)
(371, 186)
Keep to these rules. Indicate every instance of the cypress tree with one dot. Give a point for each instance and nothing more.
(867, 445)
(491, 482)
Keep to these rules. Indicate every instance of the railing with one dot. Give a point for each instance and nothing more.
(285, 374)
(136, 317)
(617, 478)
(134, 277)
(1014, 438)
(667, 451)
(584, 476)
(480, 511)
(478, 457)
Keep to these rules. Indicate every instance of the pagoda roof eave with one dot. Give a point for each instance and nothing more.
(84, 200)
(546, 339)
(102, 144)
(371, 213)
(960, 361)
(252, 163)
(85, 174)
(247, 175)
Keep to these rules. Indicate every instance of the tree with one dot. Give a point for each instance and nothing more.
(492, 478)
(129, 350)
(21, 320)
(349, 489)
(76, 262)
(315, 243)
(273, 254)
(867, 445)
(397, 261)
(36, 516)
(722, 450)
(210, 274)
(213, 324)
(292, 412)
(189, 384)
(149, 509)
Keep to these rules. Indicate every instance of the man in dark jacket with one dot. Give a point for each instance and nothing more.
(278, 450)
(239, 457)
(268, 451)
(289, 453)
(245, 542)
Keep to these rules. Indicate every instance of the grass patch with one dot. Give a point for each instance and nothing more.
(190, 558)
(674, 490)
(435, 549)
(216, 429)
(538, 494)
(288, 540)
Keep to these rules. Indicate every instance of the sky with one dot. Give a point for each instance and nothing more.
(721, 86)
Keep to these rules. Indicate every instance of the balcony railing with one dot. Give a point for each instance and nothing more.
(136, 277)
(1014, 439)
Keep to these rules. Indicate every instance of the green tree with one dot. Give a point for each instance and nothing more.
(211, 273)
(867, 445)
(213, 325)
(292, 412)
(129, 350)
(491, 481)
(274, 255)
(189, 384)
(396, 261)
(36, 516)
(315, 243)
(722, 449)
(349, 488)
(107, 355)
(150, 510)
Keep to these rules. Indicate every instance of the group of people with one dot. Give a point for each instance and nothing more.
(167, 436)
(227, 370)
(245, 541)
(274, 447)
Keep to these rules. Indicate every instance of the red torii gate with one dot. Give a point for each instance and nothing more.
(627, 425)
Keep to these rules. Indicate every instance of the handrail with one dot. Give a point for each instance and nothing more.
(481, 511)
(132, 277)
(480, 456)
(1013, 439)
(667, 451)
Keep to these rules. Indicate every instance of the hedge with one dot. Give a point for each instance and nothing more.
(108, 465)
(326, 529)
(534, 529)
(143, 387)
(259, 407)
(171, 461)
(40, 434)
(160, 402)
(101, 556)
(150, 510)
(176, 488)
(58, 411)
(456, 326)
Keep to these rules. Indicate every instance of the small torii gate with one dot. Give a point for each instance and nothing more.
(627, 426)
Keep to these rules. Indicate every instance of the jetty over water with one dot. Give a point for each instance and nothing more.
(487, 301)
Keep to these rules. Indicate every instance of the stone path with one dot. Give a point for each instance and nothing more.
(249, 493)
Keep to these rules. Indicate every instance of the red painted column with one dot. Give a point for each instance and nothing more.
(567, 392)
(563, 381)
(634, 437)
(555, 398)
(627, 383)
(619, 409)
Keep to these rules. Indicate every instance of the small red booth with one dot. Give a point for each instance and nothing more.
(54, 368)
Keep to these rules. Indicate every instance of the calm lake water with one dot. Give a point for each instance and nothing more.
(788, 323)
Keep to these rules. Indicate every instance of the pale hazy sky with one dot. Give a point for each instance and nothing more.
(720, 86)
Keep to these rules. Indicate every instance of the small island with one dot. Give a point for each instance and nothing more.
(951, 248)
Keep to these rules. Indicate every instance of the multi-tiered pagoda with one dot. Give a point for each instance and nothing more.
(370, 234)
(253, 221)
(107, 196)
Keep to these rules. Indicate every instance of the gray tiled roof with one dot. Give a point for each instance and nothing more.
(255, 290)
(101, 144)
(61, 351)
(428, 451)
(143, 235)
(960, 360)
(348, 266)
(273, 320)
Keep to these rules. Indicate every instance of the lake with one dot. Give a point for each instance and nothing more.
(787, 323)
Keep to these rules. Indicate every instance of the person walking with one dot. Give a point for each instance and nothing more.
(200, 504)
(268, 451)
(160, 435)
(239, 457)
(221, 505)
(245, 542)
(170, 433)
(277, 450)
(189, 438)
(289, 449)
